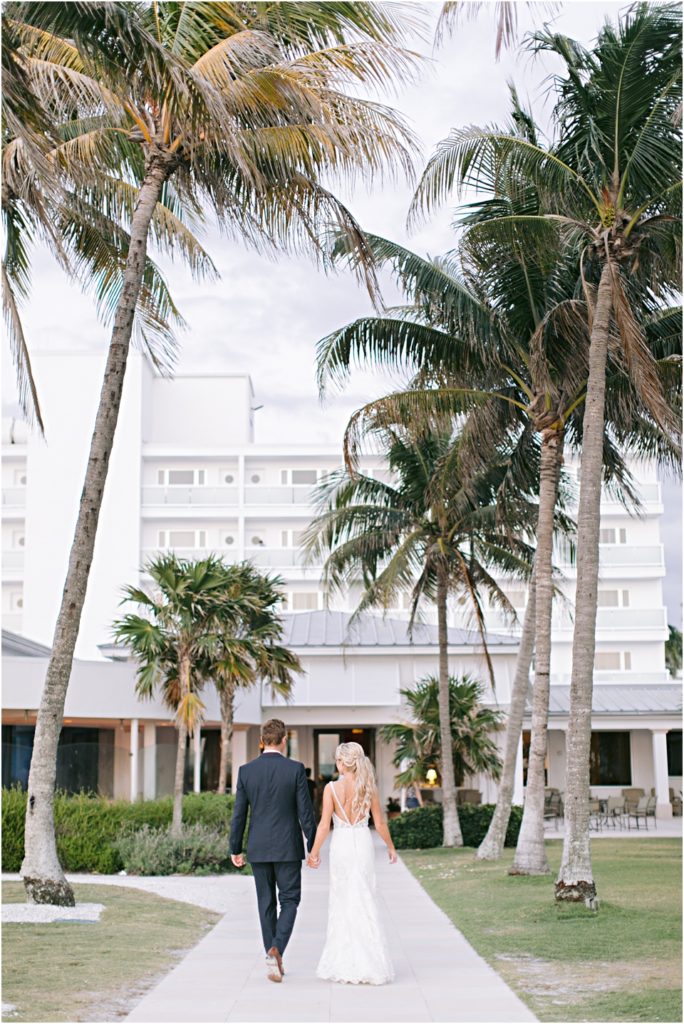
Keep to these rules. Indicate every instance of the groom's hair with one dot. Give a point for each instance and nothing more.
(273, 732)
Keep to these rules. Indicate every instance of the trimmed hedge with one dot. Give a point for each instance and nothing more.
(88, 827)
(421, 828)
(200, 850)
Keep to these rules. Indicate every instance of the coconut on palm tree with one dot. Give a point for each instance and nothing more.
(434, 533)
(610, 180)
(238, 109)
(417, 739)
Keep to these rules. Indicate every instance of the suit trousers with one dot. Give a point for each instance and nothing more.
(285, 877)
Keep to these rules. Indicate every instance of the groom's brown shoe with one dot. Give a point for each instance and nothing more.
(274, 965)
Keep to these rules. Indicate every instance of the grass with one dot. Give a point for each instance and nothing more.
(567, 963)
(95, 971)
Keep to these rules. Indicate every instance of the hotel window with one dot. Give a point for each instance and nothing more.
(674, 752)
(608, 599)
(18, 539)
(607, 661)
(20, 478)
(182, 538)
(518, 598)
(181, 477)
(625, 598)
(298, 476)
(291, 538)
(609, 535)
(16, 602)
(304, 601)
(610, 762)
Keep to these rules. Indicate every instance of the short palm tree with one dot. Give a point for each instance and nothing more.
(433, 533)
(250, 651)
(418, 739)
(611, 179)
(186, 620)
(240, 109)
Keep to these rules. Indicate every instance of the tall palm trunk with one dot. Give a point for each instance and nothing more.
(492, 845)
(452, 826)
(182, 726)
(226, 695)
(42, 873)
(530, 854)
(575, 880)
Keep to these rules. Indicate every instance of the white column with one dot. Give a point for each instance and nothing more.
(518, 789)
(663, 805)
(150, 761)
(134, 758)
(239, 754)
(197, 766)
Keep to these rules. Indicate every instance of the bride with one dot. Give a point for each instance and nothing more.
(355, 948)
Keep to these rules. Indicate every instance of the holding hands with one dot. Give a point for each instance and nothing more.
(313, 860)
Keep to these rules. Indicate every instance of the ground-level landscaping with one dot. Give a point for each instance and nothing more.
(75, 971)
(623, 963)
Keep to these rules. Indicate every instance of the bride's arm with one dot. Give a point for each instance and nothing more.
(381, 827)
(314, 858)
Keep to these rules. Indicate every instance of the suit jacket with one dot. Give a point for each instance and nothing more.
(274, 789)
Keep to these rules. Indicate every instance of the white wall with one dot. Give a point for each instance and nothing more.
(70, 390)
(201, 412)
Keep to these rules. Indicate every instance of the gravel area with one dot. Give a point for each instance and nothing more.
(212, 892)
(37, 913)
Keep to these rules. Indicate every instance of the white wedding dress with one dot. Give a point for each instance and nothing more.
(355, 948)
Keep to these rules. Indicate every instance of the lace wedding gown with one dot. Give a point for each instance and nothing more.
(355, 948)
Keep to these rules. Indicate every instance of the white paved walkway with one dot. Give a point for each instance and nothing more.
(439, 976)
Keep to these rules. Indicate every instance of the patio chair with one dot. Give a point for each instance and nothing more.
(640, 812)
(632, 797)
(615, 811)
(553, 808)
(469, 796)
(676, 802)
(596, 816)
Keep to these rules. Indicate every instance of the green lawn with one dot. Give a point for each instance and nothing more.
(568, 964)
(97, 971)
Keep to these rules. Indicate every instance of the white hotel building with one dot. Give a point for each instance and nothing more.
(186, 474)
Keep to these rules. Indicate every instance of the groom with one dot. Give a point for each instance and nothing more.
(274, 788)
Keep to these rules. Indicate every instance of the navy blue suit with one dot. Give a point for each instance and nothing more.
(275, 790)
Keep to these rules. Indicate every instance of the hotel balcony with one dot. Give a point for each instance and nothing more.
(12, 564)
(13, 498)
(268, 557)
(296, 494)
(195, 496)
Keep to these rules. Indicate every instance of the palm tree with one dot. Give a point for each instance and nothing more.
(418, 740)
(250, 651)
(433, 533)
(612, 180)
(237, 108)
(182, 628)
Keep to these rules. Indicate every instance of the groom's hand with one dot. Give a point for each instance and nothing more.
(313, 860)
(238, 859)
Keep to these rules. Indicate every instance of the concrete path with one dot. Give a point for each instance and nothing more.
(439, 976)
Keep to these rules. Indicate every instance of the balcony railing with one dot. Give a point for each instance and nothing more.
(624, 678)
(606, 618)
(630, 554)
(649, 494)
(189, 495)
(295, 495)
(14, 497)
(276, 556)
(12, 559)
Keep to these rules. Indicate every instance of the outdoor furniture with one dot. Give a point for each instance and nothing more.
(632, 797)
(641, 812)
(597, 817)
(615, 811)
(676, 801)
(553, 807)
(468, 796)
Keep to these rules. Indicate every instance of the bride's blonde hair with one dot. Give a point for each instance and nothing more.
(352, 756)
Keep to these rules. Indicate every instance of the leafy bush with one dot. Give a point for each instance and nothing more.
(200, 850)
(88, 827)
(421, 828)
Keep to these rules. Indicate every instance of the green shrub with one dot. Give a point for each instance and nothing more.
(421, 828)
(88, 827)
(200, 850)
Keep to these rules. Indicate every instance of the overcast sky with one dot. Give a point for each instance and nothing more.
(264, 317)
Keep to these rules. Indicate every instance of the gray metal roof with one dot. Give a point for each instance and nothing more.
(332, 629)
(18, 646)
(665, 698)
